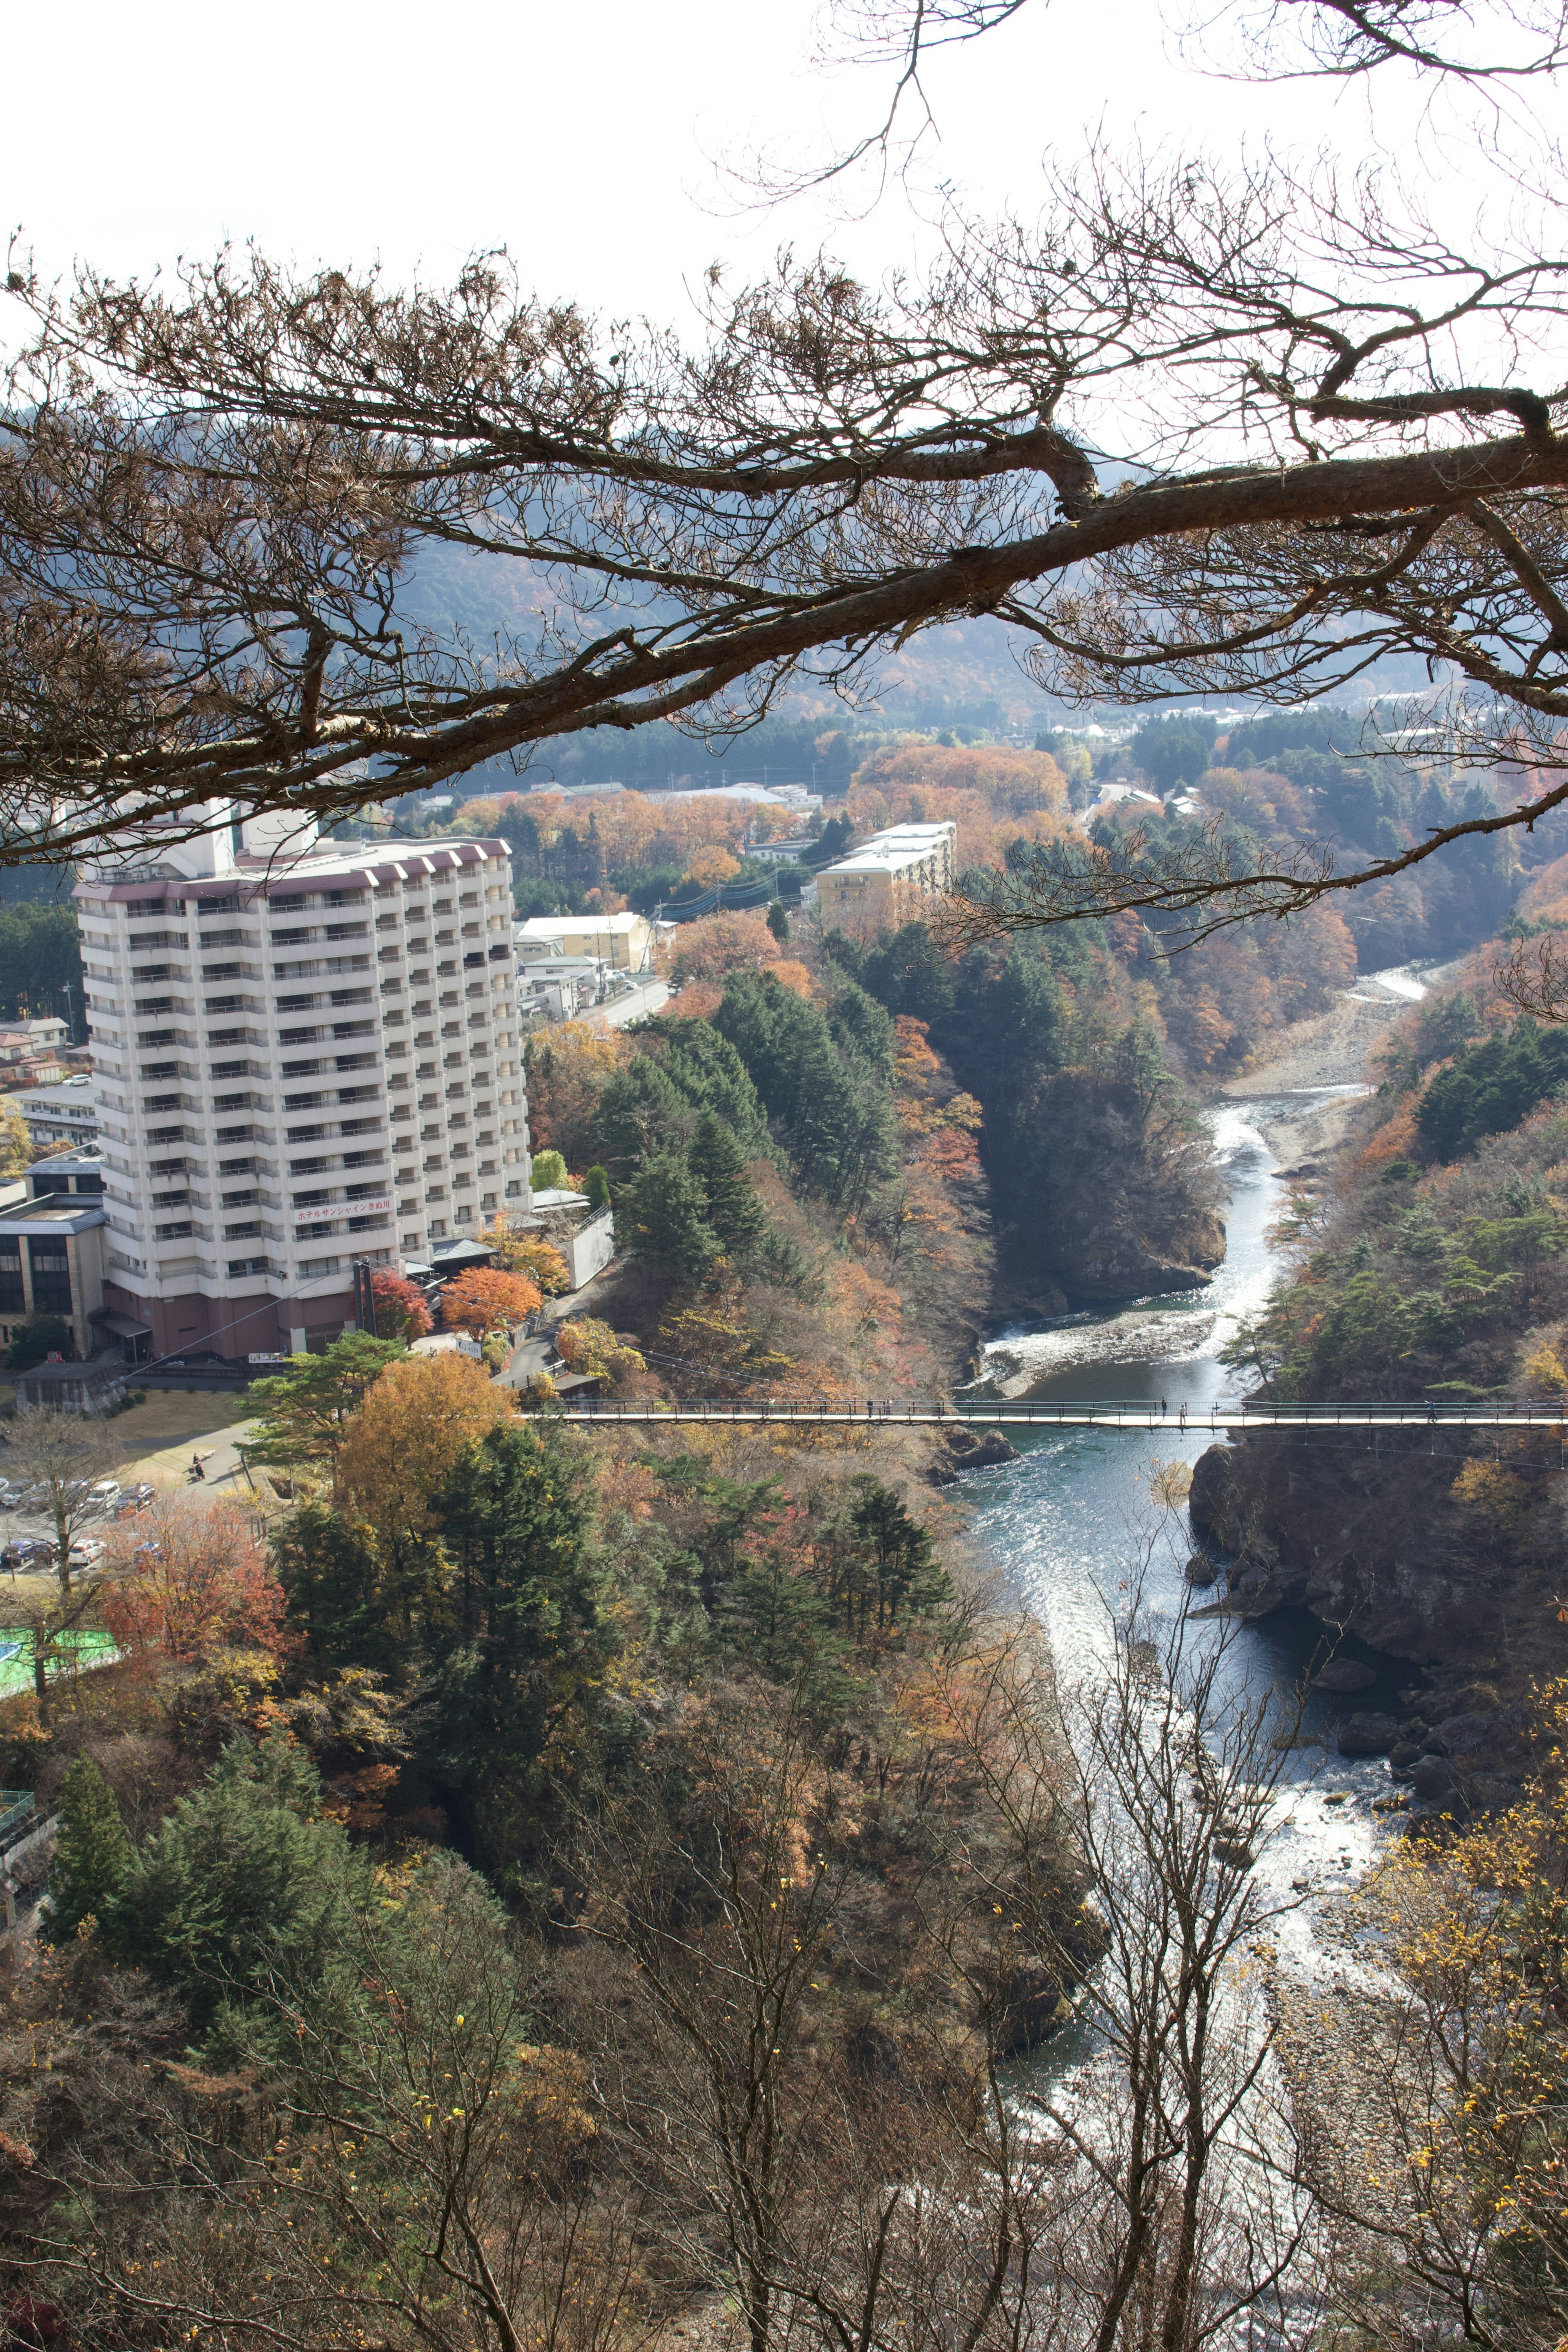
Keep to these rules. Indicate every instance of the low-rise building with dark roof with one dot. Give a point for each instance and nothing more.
(52, 1262)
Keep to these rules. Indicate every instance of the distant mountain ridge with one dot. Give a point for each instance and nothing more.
(963, 676)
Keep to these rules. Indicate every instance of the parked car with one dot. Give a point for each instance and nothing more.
(8, 1494)
(86, 1552)
(27, 1551)
(101, 1492)
(32, 1498)
(132, 1499)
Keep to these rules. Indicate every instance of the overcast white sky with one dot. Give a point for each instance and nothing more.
(582, 137)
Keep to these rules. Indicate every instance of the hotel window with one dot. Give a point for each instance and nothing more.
(51, 1278)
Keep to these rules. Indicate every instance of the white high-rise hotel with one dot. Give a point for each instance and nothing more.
(304, 1052)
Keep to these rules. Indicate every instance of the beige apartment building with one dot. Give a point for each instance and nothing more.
(623, 941)
(878, 885)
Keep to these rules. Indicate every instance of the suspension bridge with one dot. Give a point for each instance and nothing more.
(1052, 1413)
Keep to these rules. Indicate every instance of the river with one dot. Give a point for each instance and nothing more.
(1062, 1522)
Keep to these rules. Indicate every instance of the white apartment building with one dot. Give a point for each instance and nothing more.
(66, 1113)
(879, 882)
(304, 1053)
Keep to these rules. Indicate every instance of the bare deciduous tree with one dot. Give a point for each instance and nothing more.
(68, 1454)
(422, 2173)
(926, 2192)
(1437, 2140)
(1533, 979)
(1192, 2207)
(1194, 430)
(1329, 37)
(719, 2097)
(1439, 39)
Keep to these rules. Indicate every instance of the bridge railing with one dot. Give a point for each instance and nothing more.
(1068, 1412)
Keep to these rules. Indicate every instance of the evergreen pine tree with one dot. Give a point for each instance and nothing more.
(340, 1594)
(735, 1212)
(520, 1666)
(243, 1892)
(92, 1851)
(662, 1218)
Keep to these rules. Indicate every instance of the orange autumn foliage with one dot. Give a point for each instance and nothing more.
(1009, 780)
(488, 1300)
(568, 1067)
(916, 1071)
(642, 828)
(711, 865)
(951, 1153)
(697, 1000)
(716, 944)
(993, 795)
(793, 976)
(528, 1255)
(406, 1439)
(189, 1576)
(869, 1304)
(1398, 1138)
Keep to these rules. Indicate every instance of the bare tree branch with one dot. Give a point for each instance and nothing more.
(1535, 979)
(1155, 436)
(1519, 40)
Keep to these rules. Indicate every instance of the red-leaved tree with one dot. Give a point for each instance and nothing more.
(400, 1310)
(189, 1576)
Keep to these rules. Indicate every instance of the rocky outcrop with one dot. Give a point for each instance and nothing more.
(1368, 1734)
(1126, 1272)
(1210, 1500)
(1031, 2006)
(1365, 1539)
(1106, 1260)
(1364, 1532)
(1100, 1202)
(973, 1449)
(1343, 1675)
(1447, 1785)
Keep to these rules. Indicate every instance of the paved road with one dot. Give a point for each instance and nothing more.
(636, 1006)
(529, 1358)
(168, 1466)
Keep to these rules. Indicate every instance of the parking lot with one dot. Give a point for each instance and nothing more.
(159, 1437)
(28, 1536)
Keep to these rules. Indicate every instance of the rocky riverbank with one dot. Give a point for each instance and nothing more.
(1304, 1092)
(1374, 1534)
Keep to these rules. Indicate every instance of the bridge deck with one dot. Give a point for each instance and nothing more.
(1063, 1413)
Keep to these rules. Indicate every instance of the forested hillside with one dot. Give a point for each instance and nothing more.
(412, 1861)
(884, 1112)
(1290, 778)
(1100, 1172)
(794, 1177)
(1434, 1269)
